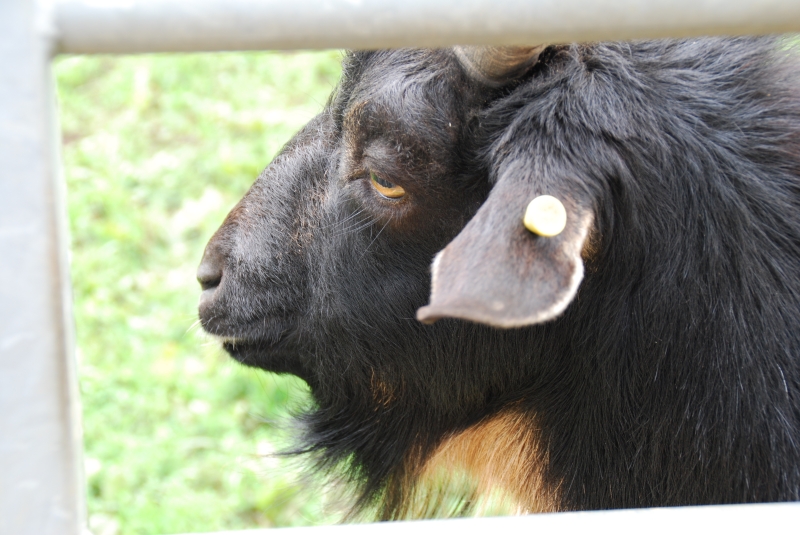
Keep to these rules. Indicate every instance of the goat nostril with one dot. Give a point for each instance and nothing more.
(209, 274)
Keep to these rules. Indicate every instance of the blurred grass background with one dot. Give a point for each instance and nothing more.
(157, 149)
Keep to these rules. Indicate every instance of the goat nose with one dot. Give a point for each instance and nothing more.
(209, 274)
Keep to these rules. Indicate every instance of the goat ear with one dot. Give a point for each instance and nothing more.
(499, 273)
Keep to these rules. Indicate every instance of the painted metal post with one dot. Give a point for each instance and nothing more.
(41, 490)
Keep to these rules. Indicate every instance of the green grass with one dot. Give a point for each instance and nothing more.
(157, 149)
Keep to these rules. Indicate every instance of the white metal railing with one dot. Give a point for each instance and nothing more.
(724, 519)
(41, 489)
(125, 26)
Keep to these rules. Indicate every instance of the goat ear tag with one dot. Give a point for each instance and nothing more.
(498, 273)
(545, 216)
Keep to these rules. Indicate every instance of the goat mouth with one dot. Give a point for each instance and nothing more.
(262, 330)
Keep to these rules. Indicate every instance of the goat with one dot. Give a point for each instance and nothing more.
(645, 355)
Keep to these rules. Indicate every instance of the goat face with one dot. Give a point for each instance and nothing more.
(315, 259)
(677, 163)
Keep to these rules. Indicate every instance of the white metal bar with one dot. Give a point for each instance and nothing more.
(131, 26)
(40, 442)
(727, 519)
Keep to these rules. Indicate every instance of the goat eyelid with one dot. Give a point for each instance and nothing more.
(385, 188)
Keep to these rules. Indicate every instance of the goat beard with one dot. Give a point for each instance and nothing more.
(451, 453)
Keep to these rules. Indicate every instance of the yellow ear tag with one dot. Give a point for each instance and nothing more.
(545, 216)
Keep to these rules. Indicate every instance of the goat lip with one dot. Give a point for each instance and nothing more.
(252, 352)
(260, 330)
(206, 297)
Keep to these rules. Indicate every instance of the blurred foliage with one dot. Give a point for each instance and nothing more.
(157, 149)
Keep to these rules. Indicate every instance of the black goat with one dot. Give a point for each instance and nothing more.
(656, 355)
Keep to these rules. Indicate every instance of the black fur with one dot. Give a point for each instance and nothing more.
(674, 375)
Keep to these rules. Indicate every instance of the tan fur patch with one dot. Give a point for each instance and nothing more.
(503, 457)
(591, 246)
(383, 393)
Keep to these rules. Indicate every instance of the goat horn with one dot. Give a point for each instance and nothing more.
(495, 65)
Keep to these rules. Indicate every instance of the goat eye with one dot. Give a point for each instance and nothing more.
(386, 188)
